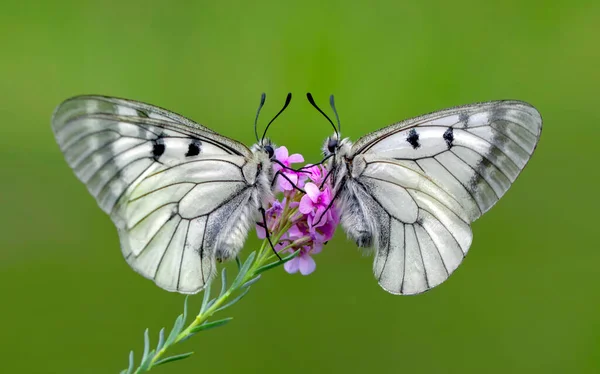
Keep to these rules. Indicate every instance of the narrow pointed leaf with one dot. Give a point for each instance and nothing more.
(146, 362)
(277, 263)
(223, 282)
(238, 298)
(161, 339)
(130, 369)
(176, 330)
(251, 282)
(238, 262)
(211, 325)
(185, 301)
(173, 358)
(242, 274)
(146, 345)
(206, 297)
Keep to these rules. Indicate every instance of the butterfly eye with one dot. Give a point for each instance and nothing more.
(269, 150)
(332, 145)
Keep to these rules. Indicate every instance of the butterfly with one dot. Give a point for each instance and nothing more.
(411, 190)
(181, 195)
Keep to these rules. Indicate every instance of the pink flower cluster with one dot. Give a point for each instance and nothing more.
(312, 216)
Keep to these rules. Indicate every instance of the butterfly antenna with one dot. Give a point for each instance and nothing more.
(312, 102)
(287, 102)
(263, 97)
(337, 117)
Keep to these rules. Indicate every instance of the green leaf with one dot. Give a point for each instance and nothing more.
(238, 262)
(161, 339)
(277, 263)
(243, 271)
(185, 301)
(176, 330)
(223, 283)
(206, 296)
(210, 325)
(251, 282)
(173, 358)
(146, 344)
(145, 365)
(238, 298)
(130, 368)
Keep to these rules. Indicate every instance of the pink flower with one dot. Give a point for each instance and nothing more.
(315, 201)
(282, 155)
(311, 216)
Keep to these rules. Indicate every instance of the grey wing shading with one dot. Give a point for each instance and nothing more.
(170, 186)
(421, 233)
(475, 152)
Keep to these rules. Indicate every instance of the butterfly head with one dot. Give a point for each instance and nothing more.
(265, 147)
(334, 146)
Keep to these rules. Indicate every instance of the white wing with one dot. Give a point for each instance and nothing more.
(420, 184)
(170, 185)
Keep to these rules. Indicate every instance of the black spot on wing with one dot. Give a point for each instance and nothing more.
(193, 148)
(413, 138)
(449, 137)
(142, 114)
(158, 148)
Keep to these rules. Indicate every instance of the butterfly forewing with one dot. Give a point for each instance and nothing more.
(172, 187)
(418, 185)
(475, 151)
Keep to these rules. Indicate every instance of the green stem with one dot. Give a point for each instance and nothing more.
(262, 258)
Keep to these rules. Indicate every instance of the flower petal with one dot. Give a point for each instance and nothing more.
(295, 158)
(284, 184)
(292, 266)
(312, 191)
(316, 248)
(295, 233)
(281, 154)
(260, 232)
(306, 205)
(306, 264)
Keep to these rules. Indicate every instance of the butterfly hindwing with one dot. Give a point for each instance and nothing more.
(176, 190)
(419, 230)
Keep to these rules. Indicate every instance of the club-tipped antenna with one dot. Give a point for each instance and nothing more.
(263, 97)
(312, 102)
(287, 102)
(337, 117)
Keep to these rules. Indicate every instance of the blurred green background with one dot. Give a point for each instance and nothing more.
(526, 298)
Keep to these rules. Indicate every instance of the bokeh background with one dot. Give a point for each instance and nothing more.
(525, 300)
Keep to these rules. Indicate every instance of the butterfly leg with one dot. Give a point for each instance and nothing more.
(264, 217)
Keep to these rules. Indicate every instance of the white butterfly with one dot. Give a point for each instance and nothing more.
(181, 195)
(412, 189)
